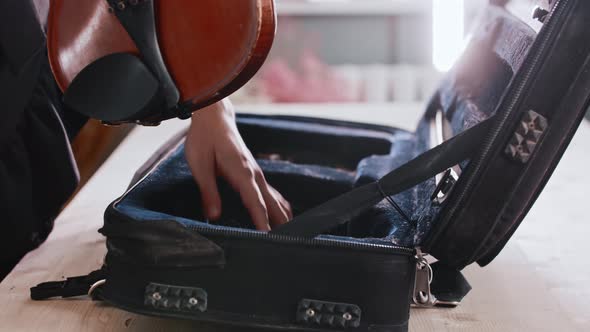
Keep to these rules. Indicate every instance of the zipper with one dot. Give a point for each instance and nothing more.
(288, 239)
(477, 165)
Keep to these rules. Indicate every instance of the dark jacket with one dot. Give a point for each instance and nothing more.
(37, 171)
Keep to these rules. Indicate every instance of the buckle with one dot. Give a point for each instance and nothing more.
(422, 294)
(444, 186)
(452, 288)
(71, 287)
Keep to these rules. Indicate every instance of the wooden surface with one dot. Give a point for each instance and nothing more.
(538, 283)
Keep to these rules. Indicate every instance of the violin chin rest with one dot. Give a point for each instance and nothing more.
(115, 88)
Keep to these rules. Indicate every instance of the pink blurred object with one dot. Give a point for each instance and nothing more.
(316, 82)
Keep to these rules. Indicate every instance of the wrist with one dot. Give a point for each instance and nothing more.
(222, 108)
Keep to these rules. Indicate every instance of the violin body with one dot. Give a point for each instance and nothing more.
(209, 47)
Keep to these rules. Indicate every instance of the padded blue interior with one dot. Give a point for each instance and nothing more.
(311, 161)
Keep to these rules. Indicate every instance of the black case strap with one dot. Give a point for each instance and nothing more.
(74, 286)
(345, 207)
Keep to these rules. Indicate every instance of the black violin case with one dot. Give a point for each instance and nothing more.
(370, 201)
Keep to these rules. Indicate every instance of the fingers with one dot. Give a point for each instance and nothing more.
(255, 203)
(203, 170)
(209, 194)
(242, 179)
(265, 205)
(279, 210)
(284, 203)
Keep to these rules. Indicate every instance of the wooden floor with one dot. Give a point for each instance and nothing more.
(538, 283)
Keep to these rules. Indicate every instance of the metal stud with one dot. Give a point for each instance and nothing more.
(121, 5)
(193, 301)
(157, 296)
(347, 316)
(310, 312)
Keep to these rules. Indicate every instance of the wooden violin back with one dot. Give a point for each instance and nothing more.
(210, 47)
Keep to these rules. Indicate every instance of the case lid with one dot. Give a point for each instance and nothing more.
(501, 102)
(534, 121)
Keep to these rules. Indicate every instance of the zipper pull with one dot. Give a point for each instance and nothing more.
(422, 296)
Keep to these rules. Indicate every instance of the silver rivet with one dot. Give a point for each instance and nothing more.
(347, 316)
(156, 296)
(121, 5)
(310, 312)
(193, 301)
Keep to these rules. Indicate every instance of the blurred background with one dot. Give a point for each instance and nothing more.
(360, 51)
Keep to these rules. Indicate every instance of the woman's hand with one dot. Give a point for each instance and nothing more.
(215, 148)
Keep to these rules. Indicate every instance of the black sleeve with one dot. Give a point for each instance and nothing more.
(37, 170)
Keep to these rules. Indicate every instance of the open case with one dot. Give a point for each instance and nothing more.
(370, 201)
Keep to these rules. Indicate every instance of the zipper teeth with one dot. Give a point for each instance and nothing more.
(252, 235)
(550, 29)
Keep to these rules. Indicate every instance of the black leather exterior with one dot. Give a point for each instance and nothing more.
(493, 197)
(155, 234)
(262, 282)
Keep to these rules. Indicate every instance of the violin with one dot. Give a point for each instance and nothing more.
(145, 61)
